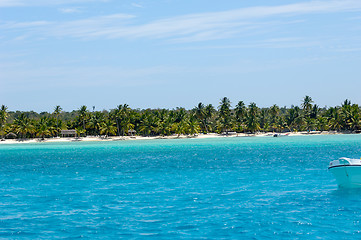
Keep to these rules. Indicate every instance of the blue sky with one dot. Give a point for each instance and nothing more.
(172, 53)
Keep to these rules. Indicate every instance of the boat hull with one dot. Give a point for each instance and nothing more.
(347, 176)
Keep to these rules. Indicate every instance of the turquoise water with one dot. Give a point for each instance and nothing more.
(227, 188)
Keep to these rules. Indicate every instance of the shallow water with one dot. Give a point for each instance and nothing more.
(224, 188)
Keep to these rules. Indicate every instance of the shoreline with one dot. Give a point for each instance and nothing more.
(134, 138)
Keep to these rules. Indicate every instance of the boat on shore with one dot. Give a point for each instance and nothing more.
(281, 134)
(347, 172)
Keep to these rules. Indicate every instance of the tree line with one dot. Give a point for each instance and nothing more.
(224, 118)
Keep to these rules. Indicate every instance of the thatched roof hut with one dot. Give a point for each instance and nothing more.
(68, 133)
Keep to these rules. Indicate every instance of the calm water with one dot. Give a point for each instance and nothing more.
(229, 188)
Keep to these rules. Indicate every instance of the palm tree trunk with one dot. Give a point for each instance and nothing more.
(84, 126)
(205, 125)
(118, 127)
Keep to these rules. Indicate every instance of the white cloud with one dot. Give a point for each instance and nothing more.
(26, 25)
(18, 3)
(348, 50)
(11, 3)
(275, 43)
(69, 10)
(137, 5)
(192, 27)
(89, 28)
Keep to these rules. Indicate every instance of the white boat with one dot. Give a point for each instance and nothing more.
(347, 172)
(280, 134)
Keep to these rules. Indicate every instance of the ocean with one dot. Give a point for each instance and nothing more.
(216, 188)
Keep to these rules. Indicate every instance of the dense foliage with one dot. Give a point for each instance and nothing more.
(203, 118)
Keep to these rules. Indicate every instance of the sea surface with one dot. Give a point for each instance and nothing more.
(218, 188)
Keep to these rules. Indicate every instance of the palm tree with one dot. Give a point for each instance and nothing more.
(180, 127)
(322, 124)
(127, 125)
(147, 123)
(201, 115)
(57, 111)
(252, 118)
(274, 111)
(107, 127)
(310, 123)
(208, 114)
(193, 126)
(163, 122)
(346, 103)
(241, 112)
(293, 118)
(334, 118)
(79, 131)
(95, 121)
(314, 111)
(346, 112)
(118, 115)
(3, 117)
(355, 118)
(43, 128)
(281, 124)
(164, 127)
(23, 125)
(123, 118)
(225, 114)
(307, 105)
(264, 120)
(83, 113)
(179, 114)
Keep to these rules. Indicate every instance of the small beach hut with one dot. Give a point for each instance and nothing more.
(68, 133)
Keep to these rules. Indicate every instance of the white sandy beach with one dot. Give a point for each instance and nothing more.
(132, 138)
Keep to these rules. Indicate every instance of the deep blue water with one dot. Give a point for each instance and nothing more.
(226, 188)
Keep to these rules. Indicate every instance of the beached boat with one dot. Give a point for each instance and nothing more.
(280, 134)
(347, 172)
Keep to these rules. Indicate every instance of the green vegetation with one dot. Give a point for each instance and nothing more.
(123, 120)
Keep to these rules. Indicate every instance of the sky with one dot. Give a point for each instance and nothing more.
(177, 53)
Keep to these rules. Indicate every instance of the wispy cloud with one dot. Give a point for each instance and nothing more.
(11, 3)
(70, 10)
(23, 3)
(137, 5)
(355, 18)
(91, 27)
(274, 43)
(192, 27)
(26, 25)
(348, 50)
